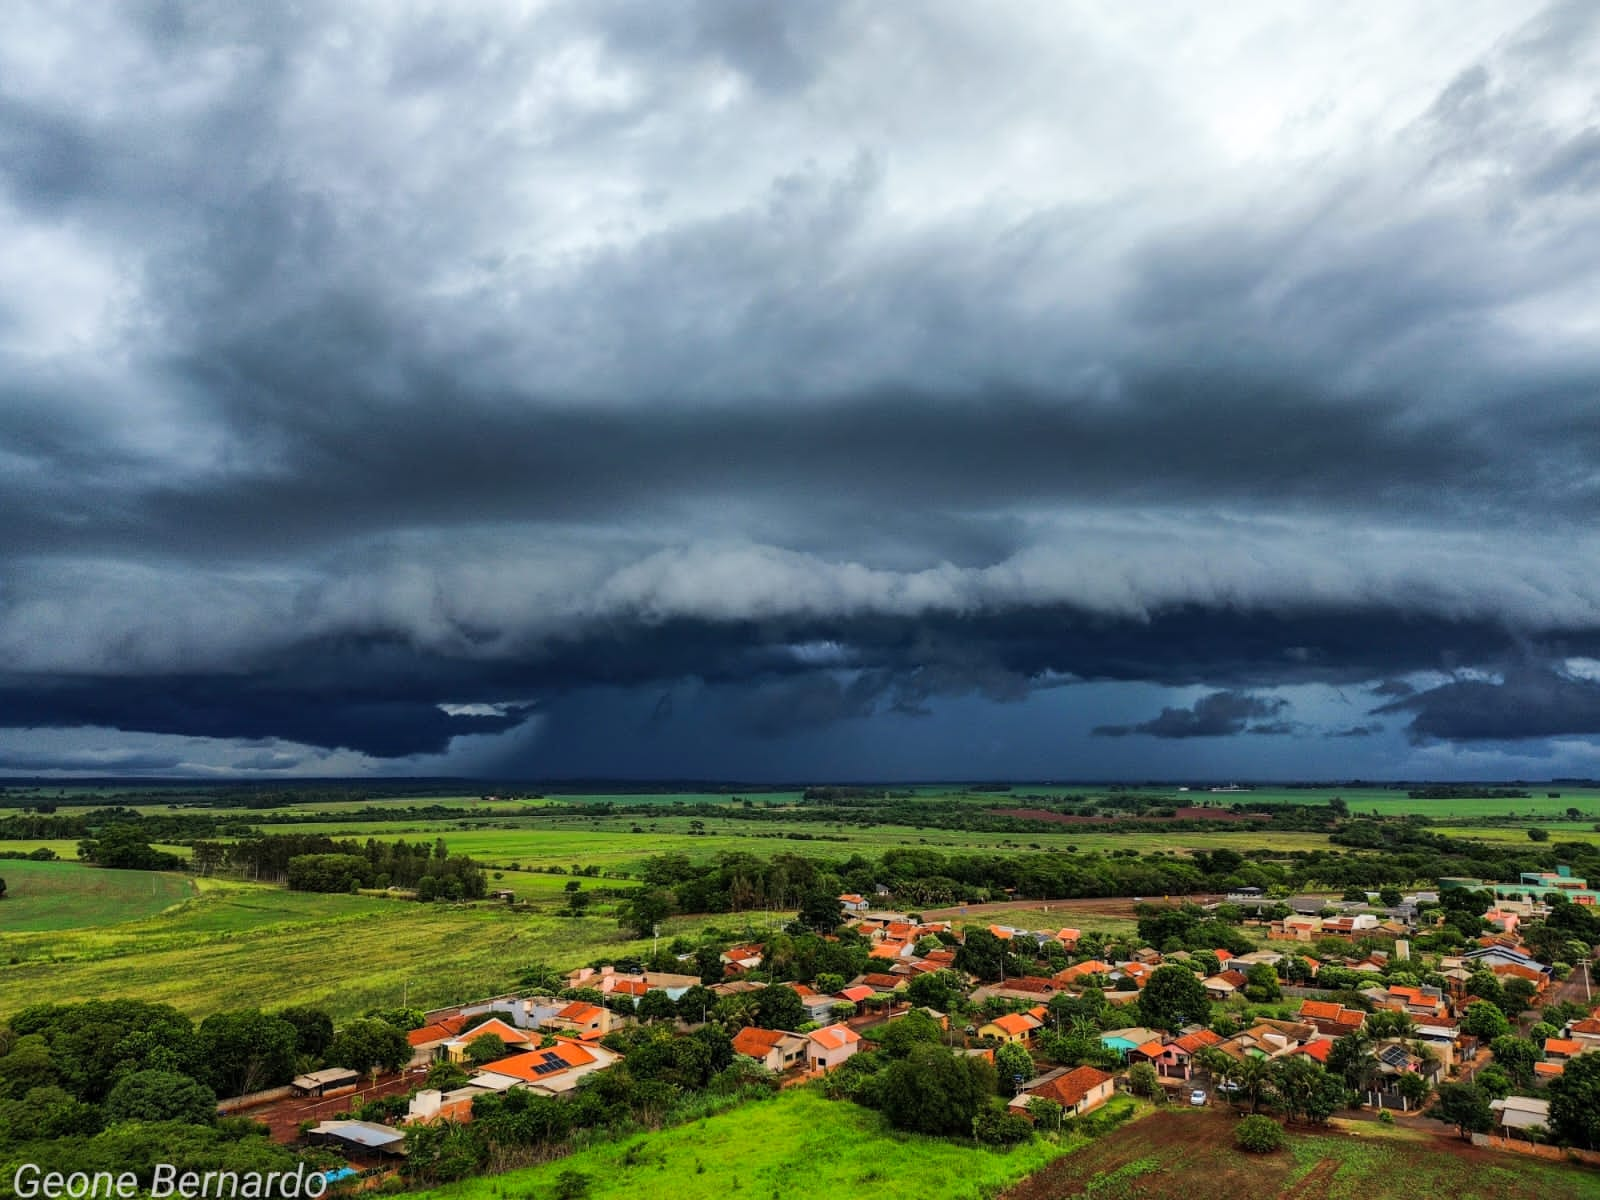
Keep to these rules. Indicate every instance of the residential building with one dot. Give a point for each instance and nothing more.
(1078, 1090)
(831, 1045)
(772, 1048)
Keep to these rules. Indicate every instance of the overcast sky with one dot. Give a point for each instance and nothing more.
(805, 391)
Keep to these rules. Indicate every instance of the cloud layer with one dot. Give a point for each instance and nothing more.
(844, 361)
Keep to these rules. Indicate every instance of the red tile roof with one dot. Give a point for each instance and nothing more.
(1070, 1089)
(525, 1066)
(1014, 1024)
(832, 1037)
(1563, 1047)
(756, 1043)
(856, 994)
(1190, 1043)
(1318, 1049)
(580, 1010)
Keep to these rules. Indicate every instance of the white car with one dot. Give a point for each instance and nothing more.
(1197, 1098)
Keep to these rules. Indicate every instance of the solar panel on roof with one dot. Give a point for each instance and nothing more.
(1395, 1056)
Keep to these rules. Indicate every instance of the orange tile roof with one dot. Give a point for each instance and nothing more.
(1150, 1049)
(631, 987)
(1003, 934)
(856, 994)
(832, 1037)
(1189, 1043)
(1322, 1010)
(1070, 1089)
(1587, 1025)
(1013, 1023)
(1563, 1047)
(429, 1034)
(506, 1033)
(580, 1010)
(1549, 1068)
(525, 1066)
(756, 1043)
(1317, 1049)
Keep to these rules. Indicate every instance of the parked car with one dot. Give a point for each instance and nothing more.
(1197, 1097)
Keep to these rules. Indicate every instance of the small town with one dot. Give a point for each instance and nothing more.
(1343, 1015)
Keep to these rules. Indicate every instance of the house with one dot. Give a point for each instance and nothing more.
(858, 994)
(1175, 1059)
(893, 948)
(1268, 1039)
(1561, 1049)
(739, 959)
(550, 1070)
(852, 903)
(818, 1005)
(587, 1021)
(1316, 1050)
(1125, 1041)
(511, 1038)
(1068, 938)
(1586, 1031)
(324, 1082)
(1223, 984)
(772, 1048)
(1013, 1027)
(1520, 1113)
(1081, 973)
(879, 982)
(831, 1045)
(1334, 1020)
(1078, 1090)
(359, 1139)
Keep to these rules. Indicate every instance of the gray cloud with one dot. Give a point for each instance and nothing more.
(1220, 714)
(1531, 701)
(377, 361)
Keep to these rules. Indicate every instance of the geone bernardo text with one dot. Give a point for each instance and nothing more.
(33, 1182)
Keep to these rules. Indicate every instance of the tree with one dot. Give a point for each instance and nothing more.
(996, 1125)
(1519, 994)
(2, 889)
(1259, 1135)
(1484, 1021)
(779, 1007)
(898, 1038)
(161, 1096)
(1046, 1113)
(1464, 1105)
(1173, 998)
(1390, 897)
(982, 954)
(1538, 835)
(932, 1090)
(366, 1043)
(485, 1048)
(647, 908)
(1261, 984)
(1013, 1067)
(1253, 1078)
(1575, 1102)
(821, 911)
(1414, 1088)
(1485, 985)
(1516, 1056)
(656, 1005)
(247, 1050)
(696, 1004)
(313, 1030)
(938, 990)
(1143, 1080)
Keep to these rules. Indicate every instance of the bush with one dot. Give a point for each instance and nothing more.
(1259, 1135)
(1000, 1127)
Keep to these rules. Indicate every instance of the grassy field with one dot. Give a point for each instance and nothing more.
(243, 945)
(57, 896)
(1191, 1154)
(797, 1144)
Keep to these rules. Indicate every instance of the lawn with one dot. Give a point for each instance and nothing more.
(1191, 1154)
(795, 1145)
(245, 945)
(63, 895)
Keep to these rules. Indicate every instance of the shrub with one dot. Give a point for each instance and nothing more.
(1259, 1135)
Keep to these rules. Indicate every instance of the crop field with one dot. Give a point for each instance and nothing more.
(243, 945)
(1191, 1154)
(796, 1144)
(58, 896)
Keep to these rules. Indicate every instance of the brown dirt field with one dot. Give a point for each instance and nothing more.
(283, 1117)
(1190, 1153)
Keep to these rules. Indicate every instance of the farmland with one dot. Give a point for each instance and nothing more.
(1191, 1154)
(797, 1144)
(60, 896)
(236, 945)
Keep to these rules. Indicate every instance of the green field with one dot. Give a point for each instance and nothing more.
(244, 945)
(58, 896)
(1191, 1154)
(797, 1144)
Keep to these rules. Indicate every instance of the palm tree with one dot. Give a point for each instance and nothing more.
(1252, 1076)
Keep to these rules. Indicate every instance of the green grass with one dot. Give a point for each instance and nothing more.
(244, 945)
(60, 895)
(797, 1144)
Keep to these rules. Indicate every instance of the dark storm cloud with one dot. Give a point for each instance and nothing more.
(1529, 702)
(370, 363)
(1356, 731)
(1221, 714)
